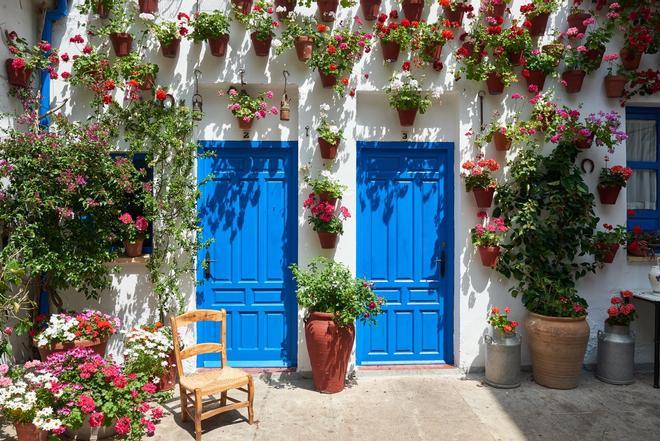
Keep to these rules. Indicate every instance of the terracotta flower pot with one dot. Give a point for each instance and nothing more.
(244, 125)
(328, 240)
(327, 80)
(605, 252)
(608, 194)
(596, 55)
(29, 432)
(87, 432)
(329, 348)
(244, 6)
(614, 85)
(435, 52)
(489, 256)
(483, 196)
(412, 9)
(325, 197)
(17, 77)
(584, 143)
(577, 21)
(539, 23)
(391, 50)
(171, 49)
(574, 79)
(147, 82)
(454, 16)
(327, 9)
(502, 142)
(134, 249)
(494, 84)
(218, 45)
(496, 10)
(147, 6)
(304, 46)
(261, 47)
(328, 150)
(168, 379)
(407, 116)
(516, 58)
(630, 59)
(290, 5)
(101, 10)
(370, 9)
(536, 78)
(557, 346)
(97, 345)
(121, 43)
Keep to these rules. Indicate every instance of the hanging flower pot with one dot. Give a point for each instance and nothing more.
(245, 124)
(496, 10)
(489, 256)
(171, 49)
(101, 10)
(484, 196)
(122, 43)
(328, 150)
(614, 85)
(147, 82)
(539, 23)
(412, 9)
(501, 141)
(370, 9)
(407, 116)
(577, 21)
(536, 78)
(516, 58)
(327, 80)
(147, 6)
(596, 55)
(573, 79)
(29, 432)
(134, 249)
(327, 9)
(245, 6)
(605, 252)
(391, 50)
(304, 46)
(261, 47)
(327, 240)
(290, 5)
(455, 15)
(17, 77)
(218, 45)
(97, 345)
(630, 59)
(584, 143)
(325, 197)
(435, 52)
(494, 83)
(608, 194)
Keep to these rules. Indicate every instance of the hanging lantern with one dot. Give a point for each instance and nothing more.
(285, 104)
(197, 102)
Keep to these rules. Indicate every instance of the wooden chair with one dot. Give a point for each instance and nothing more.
(194, 387)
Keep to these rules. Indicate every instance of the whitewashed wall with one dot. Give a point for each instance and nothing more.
(367, 117)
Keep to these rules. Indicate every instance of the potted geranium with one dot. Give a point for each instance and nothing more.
(334, 300)
(577, 65)
(412, 9)
(616, 344)
(638, 35)
(133, 67)
(607, 242)
(605, 129)
(642, 243)
(538, 65)
(133, 233)
(544, 113)
(300, 32)
(537, 13)
(478, 179)
(370, 9)
(92, 70)
(453, 10)
(503, 134)
(430, 39)
(502, 350)
(394, 35)
(262, 24)
(61, 332)
(26, 59)
(516, 42)
(212, 27)
(325, 217)
(611, 181)
(169, 34)
(494, 8)
(149, 350)
(405, 95)
(246, 108)
(147, 6)
(487, 236)
(329, 138)
(596, 42)
(117, 30)
(284, 8)
(615, 83)
(328, 8)
(579, 18)
(326, 187)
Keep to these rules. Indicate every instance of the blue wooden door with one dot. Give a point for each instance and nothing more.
(248, 209)
(404, 245)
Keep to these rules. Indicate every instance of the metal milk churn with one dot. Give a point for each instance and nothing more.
(654, 276)
(616, 355)
(503, 359)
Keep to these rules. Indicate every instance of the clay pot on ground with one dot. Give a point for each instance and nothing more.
(17, 77)
(327, 80)
(557, 346)
(218, 45)
(261, 47)
(370, 9)
(97, 345)
(244, 125)
(244, 6)
(494, 84)
(328, 240)
(170, 49)
(290, 5)
(577, 21)
(304, 46)
(608, 194)
(614, 85)
(327, 9)
(536, 78)
(412, 9)
(134, 249)
(329, 347)
(122, 43)
(328, 150)
(605, 252)
(454, 16)
(391, 50)
(489, 256)
(483, 196)
(407, 116)
(501, 141)
(147, 6)
(574, 79)
(168, 379)
(630, 59)
(29, 432)
(539, 23)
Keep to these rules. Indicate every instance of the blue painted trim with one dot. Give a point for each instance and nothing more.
(250, 364)
(215, 144)
(60, 11)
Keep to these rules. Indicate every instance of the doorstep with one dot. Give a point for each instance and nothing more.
(399, 370)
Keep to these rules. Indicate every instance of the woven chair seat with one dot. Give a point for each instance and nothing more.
(215, 379)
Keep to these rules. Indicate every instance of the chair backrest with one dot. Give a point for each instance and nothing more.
(200, 315)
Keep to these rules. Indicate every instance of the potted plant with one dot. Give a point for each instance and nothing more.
(537, 13)
(329, 138)
(394, 36)
(478, 179)
(430, 40)
(94, 71)
(538, 65)
(133, 232)
(544, 116)
(147, 6)
(494, 8)
(641, 243)
(579, 18)
(405, 95)
(638, 27)
(169, 33)
(284, 8)
(453, 10)
(334, 300)
(26, 59)
(260, 21)
(100, 7)
(616, 344)
(611, 181)
(117, 30)
(412, 9)
(605, 129)
(62, 332)
(577, 65)
(607, 242)
(149, 350)
(300, 32)
(502, 350)
(614, 83)
(513, 130)
(516, 42)
(370, 9)
(246, 108)
(487, 238)
(325, 217)
(132, 67)
(326, 187)
(328, 8)
(212, 27)
(643, 83)
(597, 40)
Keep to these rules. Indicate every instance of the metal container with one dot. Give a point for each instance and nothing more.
(502, 359)
(616, 355)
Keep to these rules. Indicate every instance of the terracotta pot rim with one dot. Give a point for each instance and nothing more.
(61, 346)
(315, 315)
(557, 319)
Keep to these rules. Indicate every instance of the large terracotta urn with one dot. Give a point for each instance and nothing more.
(557, 346)
(329, 347)
(29, 432)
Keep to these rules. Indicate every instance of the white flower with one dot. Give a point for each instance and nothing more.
(436, 94)
(276, 43)
(325, 107)
(147, 17)
(396, 84)
(414, 84)
(280, 9)
(326, 174)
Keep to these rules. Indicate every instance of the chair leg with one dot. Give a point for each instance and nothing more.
(184, 404)
(223, 399)
(198, 415)
(250, 400)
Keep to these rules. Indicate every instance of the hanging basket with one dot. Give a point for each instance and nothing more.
(370, 9)
(327, 9)
(101, 10)
(483, 196)
(407, 116)
(244, 125)
(218, 45)
(516, 58)
(245, 6)
(17, 77)
(147, 82)
(614, 85)
(454, 16)
(412, 9)
(324, 196)
(573, 79)
(391, 50)
(304, 47)
(596, 55)
(605, 252)
(577, 21)
(539, 23)
(584, 143)
(122, 42)
(608, 194)
(289, 6)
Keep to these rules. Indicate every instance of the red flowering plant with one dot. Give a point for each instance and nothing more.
(168, 31)
(639, 31)
(429, 36)
(501, 321)
(516, 41)
(642, 83)
(324, 213)
(97, 391)
(616, 176)
(622, 312)
(611, 235)
(455, 5)
(92, 70)
(133, 67)
(394, 31)
(477, 173)
(489, 232)
(69, 327)
(133, 229)
(576, 58)
(642, 243)
(488, 6)
(537, 60)
(260, 20)
(538, 7)
(513, 127)
(24, 56)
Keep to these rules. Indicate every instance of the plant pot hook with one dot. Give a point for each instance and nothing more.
(243, 83)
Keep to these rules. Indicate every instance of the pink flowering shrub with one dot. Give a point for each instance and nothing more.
(248, 108)
(488, 233)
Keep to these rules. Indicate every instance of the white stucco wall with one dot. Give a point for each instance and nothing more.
(367, 117)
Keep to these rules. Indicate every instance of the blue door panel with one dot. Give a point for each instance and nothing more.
(248, 209)
(404, 212)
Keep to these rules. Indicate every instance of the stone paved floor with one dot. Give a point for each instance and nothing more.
(432, 406)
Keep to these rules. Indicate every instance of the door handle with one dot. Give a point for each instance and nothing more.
(441, 261)
(207, 265)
